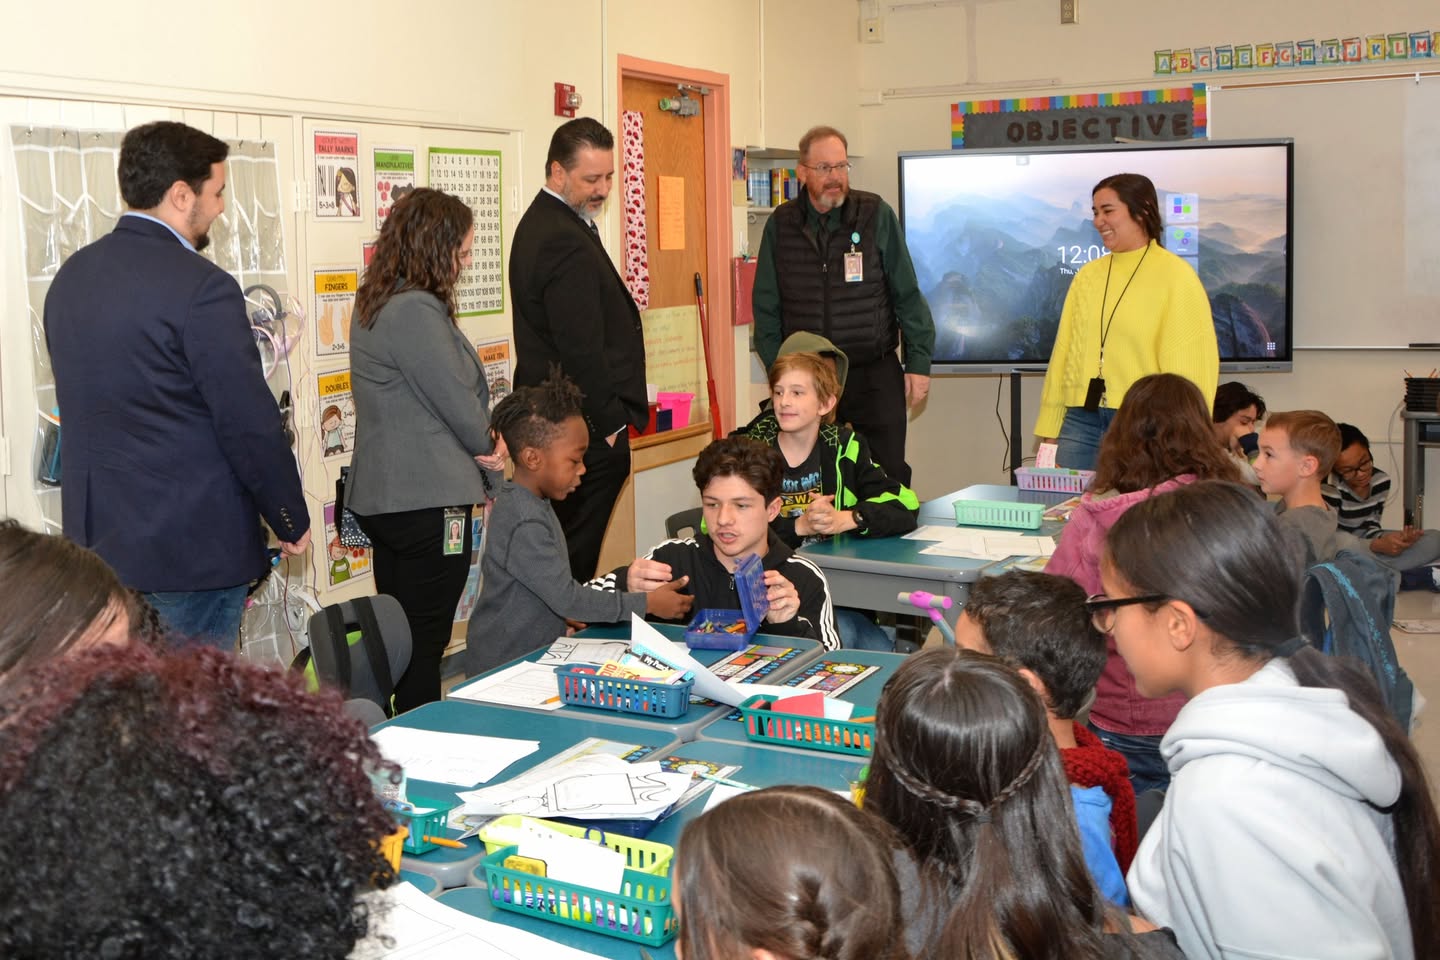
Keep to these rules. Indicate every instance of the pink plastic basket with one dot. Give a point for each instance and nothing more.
(1054, 479)
(679, 406)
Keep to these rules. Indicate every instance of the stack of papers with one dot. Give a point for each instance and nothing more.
(593, 787)
(976, 544)
(523, 684)
(455, 758)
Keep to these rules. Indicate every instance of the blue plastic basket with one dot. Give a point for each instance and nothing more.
(668, 700)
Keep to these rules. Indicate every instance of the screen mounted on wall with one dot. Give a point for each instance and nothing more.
(997, 235)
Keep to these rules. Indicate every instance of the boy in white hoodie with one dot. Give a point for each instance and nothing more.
(1298, 821)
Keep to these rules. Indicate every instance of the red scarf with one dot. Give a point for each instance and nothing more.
(1090, 764)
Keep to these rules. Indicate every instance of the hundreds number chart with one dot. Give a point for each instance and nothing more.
(474, 177)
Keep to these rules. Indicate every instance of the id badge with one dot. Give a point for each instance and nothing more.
(453, 539)
(854, 266)
(1095, 394)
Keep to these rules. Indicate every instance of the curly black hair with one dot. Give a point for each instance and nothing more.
(184, 805)
(531, 416)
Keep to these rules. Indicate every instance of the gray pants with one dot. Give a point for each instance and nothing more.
(1424, 551)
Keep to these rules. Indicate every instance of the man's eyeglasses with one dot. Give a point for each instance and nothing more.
(1102, 608)
(1360, 469)
(825, 169)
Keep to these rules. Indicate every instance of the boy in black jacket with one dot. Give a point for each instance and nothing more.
(739, 483)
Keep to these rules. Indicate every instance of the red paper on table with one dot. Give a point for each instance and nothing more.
(804, 705)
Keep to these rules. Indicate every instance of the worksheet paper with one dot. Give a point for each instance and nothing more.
(989, 545)
(524, 684)
(461, 759)
(572, 650)
(706, 683)
(592, 787)
(407, 925)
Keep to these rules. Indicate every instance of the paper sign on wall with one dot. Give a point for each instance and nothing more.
(342, 563)
(474, 177)
(337, 180)
(671, 214)
(337, 414)
(335, 290)
(495, 358)
(394, 178)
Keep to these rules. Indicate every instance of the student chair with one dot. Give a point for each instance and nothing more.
(685, 523)
(361, 646)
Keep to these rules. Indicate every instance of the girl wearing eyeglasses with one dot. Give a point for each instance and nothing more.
(1299, 822)
(1161, 439)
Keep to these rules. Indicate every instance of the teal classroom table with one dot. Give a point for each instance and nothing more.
(760, 765)
(940, 512)
(865, 695)
(687, 727)
(555, 734)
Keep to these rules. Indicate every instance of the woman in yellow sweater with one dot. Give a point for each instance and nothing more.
(1140, 310)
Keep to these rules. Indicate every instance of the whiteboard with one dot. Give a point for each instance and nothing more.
(1366, 234)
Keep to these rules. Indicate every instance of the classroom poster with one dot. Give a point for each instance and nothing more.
(672, 354)
(342, 563)
(474, 177)
(337, 414)
(471, 595)
(335, 289)
(337, 179)
(367, 253)
(495, 358)
(394, 178)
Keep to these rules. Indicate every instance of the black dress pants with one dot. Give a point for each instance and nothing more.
(873, 403)
(585, 514)
(407, 549)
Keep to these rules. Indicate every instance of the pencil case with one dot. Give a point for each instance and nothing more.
(641, 912)
(1053, 479)
(642, 856)
(586, 689)
(989, 513)
(812, 733)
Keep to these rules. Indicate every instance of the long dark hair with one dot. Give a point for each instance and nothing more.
(794, 870)
(1162, 430)
(1138, 194)
(1215, 546)
(966, 771)
(418, 249)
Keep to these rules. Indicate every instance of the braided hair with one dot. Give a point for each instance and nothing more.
(966, 771)
(531, 416)
(794, 870)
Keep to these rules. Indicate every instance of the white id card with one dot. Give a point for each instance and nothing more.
(854, 266)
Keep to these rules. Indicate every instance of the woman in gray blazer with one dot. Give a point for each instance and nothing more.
(422, 425)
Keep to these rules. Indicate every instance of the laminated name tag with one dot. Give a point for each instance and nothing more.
(854, 266)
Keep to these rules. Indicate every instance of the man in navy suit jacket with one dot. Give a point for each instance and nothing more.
(572, 309)
(172, 445)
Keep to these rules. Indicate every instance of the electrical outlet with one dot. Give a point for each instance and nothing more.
(872, 30)
(1069, 11)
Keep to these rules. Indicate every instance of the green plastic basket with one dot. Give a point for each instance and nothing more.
(641, 912)
(646, 856)
(989, 513)
(812, 733)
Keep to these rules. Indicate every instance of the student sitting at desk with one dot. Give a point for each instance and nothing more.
(966, 771)
(186, 804)
(1297, 450)
(526, 591)
(739, 482)
(1161, 439)
(1357, 491)
(1037, 623)
(830, 485)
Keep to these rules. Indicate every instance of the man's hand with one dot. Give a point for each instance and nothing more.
(917, 388)
(298, 547)
(784, 598)
(645, 575)
(667, 602)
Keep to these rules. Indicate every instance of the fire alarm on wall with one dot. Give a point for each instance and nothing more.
(567, 101)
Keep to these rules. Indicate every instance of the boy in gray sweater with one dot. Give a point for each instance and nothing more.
(1297, 450)
(527, 592)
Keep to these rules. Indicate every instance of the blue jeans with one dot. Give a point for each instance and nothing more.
(1142, 755)
(1422, 552)
(859, 632)
(201, 617)
(1079, 440)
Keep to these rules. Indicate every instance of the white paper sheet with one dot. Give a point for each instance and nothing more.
(456, 758)
(988, 545)
(419, 928)
(706, 683)
(524, 684)
(593, 787)
(720, 794)
(929, 531)
(1045, 454)
(572, 650)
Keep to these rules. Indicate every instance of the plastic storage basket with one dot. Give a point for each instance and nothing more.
(644, 697)
(641, 912)
(814, 733)
(992, 513)
(1054, 479)
(422, 825)
(391, 846)
(643, 856)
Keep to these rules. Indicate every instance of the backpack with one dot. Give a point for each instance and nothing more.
(359, 646)
(1346, 608)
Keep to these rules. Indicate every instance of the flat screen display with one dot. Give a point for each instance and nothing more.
(997, 235)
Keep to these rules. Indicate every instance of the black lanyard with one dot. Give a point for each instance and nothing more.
(1104, 326)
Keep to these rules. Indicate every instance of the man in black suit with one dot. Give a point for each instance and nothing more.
(172, 445)
(573, 309)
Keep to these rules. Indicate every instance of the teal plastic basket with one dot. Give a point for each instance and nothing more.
(811, 733)
(990, 513)
(641, 913)
(668, 700)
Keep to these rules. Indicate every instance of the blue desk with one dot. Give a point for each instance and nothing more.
(555, 734)
(681, 728)
(425, 883)
(760, 765)
(865, 695)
